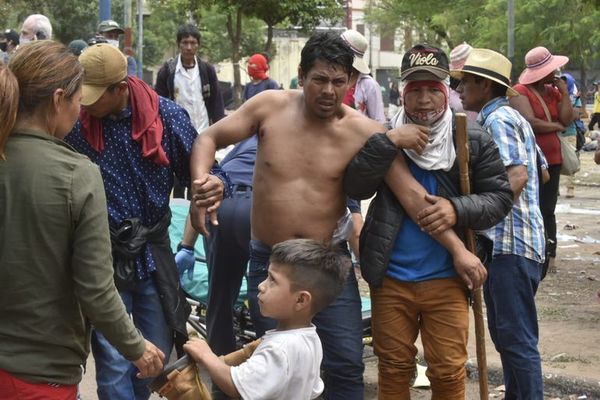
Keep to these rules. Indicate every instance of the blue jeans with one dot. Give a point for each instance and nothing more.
(115, 376)
(339, 327)
(509, 294)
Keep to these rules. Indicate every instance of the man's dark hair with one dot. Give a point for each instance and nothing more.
(313, 266)
(497, 89)
(328, 47)
(187, 30)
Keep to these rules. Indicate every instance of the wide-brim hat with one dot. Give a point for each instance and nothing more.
(358, 43)
(103, 66)
(490, 65)
(539, 64)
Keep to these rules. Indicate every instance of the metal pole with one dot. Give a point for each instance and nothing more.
(140, 39)
(511, 31)
(105, 10)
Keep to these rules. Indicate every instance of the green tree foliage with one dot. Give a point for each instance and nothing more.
(305, 14)
(564, 27)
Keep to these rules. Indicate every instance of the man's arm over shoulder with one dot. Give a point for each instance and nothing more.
(366, 171)
(491, 197)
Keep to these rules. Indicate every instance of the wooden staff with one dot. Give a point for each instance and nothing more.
(462, 150)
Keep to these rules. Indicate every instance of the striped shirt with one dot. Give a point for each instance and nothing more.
(521, 233)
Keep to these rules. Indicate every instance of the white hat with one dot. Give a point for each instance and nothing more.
(359, 45)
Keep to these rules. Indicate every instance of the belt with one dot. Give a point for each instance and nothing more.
(242, 188)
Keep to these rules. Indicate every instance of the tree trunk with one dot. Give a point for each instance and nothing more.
(235, 34)
(269, 42)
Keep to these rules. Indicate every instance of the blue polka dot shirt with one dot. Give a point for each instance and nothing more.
(136, 186)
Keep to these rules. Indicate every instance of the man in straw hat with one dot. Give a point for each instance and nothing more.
(416, 284)
(514, 272)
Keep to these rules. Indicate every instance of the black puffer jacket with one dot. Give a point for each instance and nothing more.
(491, 200)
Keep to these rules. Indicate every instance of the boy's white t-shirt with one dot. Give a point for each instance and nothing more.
(285, 365)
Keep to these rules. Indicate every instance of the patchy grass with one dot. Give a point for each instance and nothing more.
(553, 313)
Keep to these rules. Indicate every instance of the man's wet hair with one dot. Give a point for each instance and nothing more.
(186, 31)
(318, 268)
(328, 47)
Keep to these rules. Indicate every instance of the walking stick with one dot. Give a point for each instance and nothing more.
(462, 150)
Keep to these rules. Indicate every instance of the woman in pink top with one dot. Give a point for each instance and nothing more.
(539, 85)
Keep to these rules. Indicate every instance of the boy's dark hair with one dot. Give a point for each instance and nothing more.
(328, 47)
(187, 30)
(315, 267)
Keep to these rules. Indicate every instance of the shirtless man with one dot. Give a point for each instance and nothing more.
(306, 140)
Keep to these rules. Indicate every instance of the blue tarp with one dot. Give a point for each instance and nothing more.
(197, 287)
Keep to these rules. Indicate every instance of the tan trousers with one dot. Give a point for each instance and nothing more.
(438, 309)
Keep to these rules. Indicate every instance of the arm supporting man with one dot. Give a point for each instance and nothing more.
(412, 197)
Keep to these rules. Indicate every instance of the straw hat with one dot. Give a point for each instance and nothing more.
(358, 44)
(490, 65)
(539, 63)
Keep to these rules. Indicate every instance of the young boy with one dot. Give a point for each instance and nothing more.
(304, 277)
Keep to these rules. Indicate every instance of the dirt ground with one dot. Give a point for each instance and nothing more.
(568, 307)
(568, 302)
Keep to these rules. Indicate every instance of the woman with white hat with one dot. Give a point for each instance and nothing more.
(545, 103)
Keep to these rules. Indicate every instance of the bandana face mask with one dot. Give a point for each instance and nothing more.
(426, 117)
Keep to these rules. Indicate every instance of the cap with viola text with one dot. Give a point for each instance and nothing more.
(103, 65)
(424, 58)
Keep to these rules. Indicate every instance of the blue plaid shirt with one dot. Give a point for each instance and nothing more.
(136, 186)
(521, 233)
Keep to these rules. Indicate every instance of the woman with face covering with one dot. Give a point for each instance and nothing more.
(545, 104)
(56, 274)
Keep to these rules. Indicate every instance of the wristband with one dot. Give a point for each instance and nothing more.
(184, 246)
